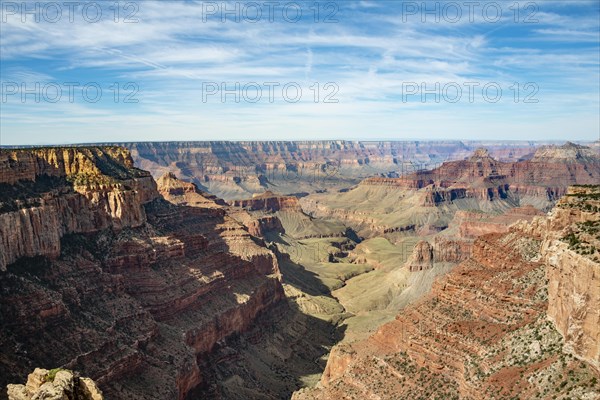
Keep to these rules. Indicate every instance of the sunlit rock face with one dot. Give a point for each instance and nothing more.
(571, 250)
(50, 192)
(428, 200)
(236, 170)
(519, 318)
(54, 384)
(101, 275)
(268, 201)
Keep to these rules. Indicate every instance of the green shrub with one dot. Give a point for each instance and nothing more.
(52, 374)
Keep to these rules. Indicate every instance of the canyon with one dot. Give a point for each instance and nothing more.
(426, 201)
(266, 270)
(101, 275)
(234, 170)
(512, 321)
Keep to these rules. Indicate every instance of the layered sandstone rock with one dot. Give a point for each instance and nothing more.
(473, 224)
(454, 244)
(568, 152)
(482, 332)
(270, 202)
(116, 282)
(260, 226)
(425, 201)
(422, 257)
(546, 175)
(274, 155)
(29, 164)
(443, 250)
(574, 294)
(237, 226)
(571, 250)
(186, 193)
(51, 192)
(55, 384)
(236, 169)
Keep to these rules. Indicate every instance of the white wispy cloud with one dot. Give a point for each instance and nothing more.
(370, 54)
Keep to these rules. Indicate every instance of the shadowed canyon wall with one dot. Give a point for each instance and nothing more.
(101, 275)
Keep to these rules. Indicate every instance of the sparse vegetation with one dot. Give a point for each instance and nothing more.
(52, 374)
(88, 179)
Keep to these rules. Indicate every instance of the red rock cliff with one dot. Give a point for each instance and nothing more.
(104, 276)
(571, 249)
(268, 201)
(482, 332)
(50, 192)
(546, 176)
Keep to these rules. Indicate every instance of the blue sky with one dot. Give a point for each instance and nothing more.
(376, 55)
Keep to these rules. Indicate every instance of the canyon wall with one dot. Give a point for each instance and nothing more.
(269, 202)
(571, 250)
(426, 201)
(493, 328)
(29, 164)
(574, 308)
(100, 274)
(236, 169)
(48, 193)
(271, 155)
(443, 250)
(547, 175)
